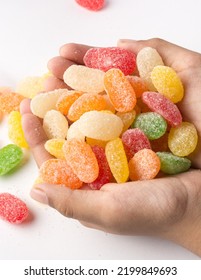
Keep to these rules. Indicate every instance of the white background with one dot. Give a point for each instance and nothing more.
(31, 32)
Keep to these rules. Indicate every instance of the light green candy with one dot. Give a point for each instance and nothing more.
(10, 156)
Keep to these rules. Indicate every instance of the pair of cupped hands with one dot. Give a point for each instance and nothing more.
(168, 207)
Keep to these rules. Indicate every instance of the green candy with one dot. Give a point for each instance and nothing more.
(151, 123)
(171, 164)
(10, 156)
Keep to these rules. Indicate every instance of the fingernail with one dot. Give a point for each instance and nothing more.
(39, 195)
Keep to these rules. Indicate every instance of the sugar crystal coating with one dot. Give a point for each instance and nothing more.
(182, 140)
(84, 79)
(139, 85)
(10, 101)
(171, 164)
(82, 160)
(15, 131)
(58, 171)
(158, 103)
(12, 208)
(92, 5)
(112, 57)
(119, 90)
(74, 132)
(144, 165)
(55, 147)
(127, 118)
(98, 124)
(10, 157)
(167, 82)
(66, 100)
(117, 160)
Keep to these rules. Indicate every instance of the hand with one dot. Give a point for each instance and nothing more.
(168, 207)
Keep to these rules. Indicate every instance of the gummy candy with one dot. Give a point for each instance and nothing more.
(139, 85)
(147, 59)
(108, 104)
(119, 90)
(42, 103)
(82, 160)
(112, 57)
(92, 5)
(15, 131)
(127, 119)
(182, 140)
(117, 160)
(167, 82)
(152, 124)
(86, 102)
(160, 144)
(97, 125)
(171, 164)
(12, 209)
(55, 124)
(84, 79)
(10, 156)
(95, 142)
(133, 141)
(54, 147)
(66, 100)
(74, 132)
(105, 174)
(57, 171)
(158, 103)
(144, 165)
(10, 101)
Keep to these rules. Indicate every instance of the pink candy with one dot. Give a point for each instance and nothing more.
(113, 57)
(12, 209)
(93, 5)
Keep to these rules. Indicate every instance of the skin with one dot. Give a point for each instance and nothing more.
(169, 207)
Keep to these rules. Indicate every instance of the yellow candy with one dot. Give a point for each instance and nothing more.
(54, 147)
(96, 142)
(127, 118)
(117, 160)
(15, 132)
(182, 140)
(167, 82)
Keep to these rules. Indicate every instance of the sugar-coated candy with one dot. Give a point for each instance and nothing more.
(112, 57)
(147, 59)
(86, 102)
(82, 160)
(95, 142)
(117, 160)
(127, 118)
(144, 165)
(84, 79)
(171, 164)
(98, 124)
(160, 144)
(74, 132)
(58, 171)
(10, 101)
(15, 131)
(5, 90)
(134, 140)
(12, 209)
(182, 140)
(92, 5)
(42, 103)
(55, 147)
(66, 100)
(158, 103)
(151, 123)
(167, 82)
(105, 174)
(55, 124)
(119, 90)
(108, 104)
(139, 85)
(10, 156)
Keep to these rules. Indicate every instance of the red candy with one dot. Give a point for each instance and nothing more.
(113, 57)
(105, 174)
(93, 5)
(12, 209)
(134, 140)
(163, 106)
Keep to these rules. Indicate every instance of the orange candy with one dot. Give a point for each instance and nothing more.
(119, 90)
(66, 100)
(10, 101)
(144, 165)
(57, 171)
(139, 85)
(81, 159)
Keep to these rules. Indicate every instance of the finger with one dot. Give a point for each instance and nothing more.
(85, 205)
(170, 53)
(25, 106)
(74, 52)
(53, 83)
(58, 65)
